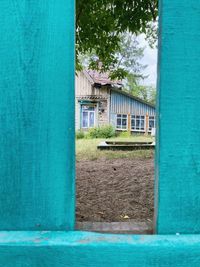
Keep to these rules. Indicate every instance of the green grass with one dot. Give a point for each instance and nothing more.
(86, 149)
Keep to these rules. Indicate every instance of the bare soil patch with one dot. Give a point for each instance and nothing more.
(115, 190)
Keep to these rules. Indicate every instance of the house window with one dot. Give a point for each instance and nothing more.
(121, 122)
(151, 122)
(137, 123)
(88, 116)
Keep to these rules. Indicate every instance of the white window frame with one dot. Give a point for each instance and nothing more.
(121, 126)
(141, 130)
(88, 119)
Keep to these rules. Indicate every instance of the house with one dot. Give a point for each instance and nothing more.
(100, 101)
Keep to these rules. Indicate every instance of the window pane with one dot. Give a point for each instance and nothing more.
(142, 124)
(124, 122)
(85, 120)
(91, 119)
(137, 123)
(151, 124)
(119, 123)
(84, 107)
(87, 108)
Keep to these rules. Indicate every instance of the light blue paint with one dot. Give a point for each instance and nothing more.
(37, 115)
(79, 249)
(178, 143)
(113, 119)
(122, 103)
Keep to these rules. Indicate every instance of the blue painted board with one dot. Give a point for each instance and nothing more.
(37, 143)
(37, 115)
(79, 249)
(178, 142)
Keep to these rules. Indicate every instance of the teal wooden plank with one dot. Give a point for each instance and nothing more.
(37, 114)
(79, 249)
(178, 144)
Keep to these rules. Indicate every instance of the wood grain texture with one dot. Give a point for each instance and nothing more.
(79, 249)
(37, 115)
(178, 143)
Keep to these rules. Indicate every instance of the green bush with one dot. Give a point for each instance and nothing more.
(106, 131)
(80, 135)
(93, 132)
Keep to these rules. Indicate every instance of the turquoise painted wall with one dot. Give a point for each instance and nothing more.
(37, 143)
(37, 115)
(178, 143)
(62, 249)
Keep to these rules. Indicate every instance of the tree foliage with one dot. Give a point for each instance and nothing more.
(100, 23)
(146, 93)
(128, 57)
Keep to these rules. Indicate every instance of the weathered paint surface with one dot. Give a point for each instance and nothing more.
(178, 150)
(37, 143)
(79, 249)
(123, 104)
(36, 115)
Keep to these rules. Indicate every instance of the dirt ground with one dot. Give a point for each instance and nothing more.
(115, 190)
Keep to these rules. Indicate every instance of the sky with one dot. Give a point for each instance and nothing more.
(150, 59)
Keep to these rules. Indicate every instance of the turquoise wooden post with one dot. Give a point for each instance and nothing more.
(178, 150)
(37, 143)
(36, 115)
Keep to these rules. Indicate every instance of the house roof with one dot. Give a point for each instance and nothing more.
(102, 78)
(97, 78)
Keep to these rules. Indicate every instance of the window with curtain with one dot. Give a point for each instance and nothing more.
(88, 116)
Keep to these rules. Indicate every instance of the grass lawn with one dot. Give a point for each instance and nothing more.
(86, 149)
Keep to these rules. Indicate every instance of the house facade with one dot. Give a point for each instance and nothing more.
(100, 101)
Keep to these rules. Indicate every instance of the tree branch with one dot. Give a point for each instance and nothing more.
(152, 12)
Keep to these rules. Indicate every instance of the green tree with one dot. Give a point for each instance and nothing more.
(146, 93)
(100, 23)
(128, 57)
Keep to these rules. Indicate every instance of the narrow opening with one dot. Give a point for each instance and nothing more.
(115, 116)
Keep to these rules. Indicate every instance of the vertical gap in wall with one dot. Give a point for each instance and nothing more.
(115, 143)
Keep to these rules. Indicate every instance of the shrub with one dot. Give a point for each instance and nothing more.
(106, 131)
(80, 135)
(93, 132)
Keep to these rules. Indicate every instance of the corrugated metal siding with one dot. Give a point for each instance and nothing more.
(122, 104)
(113, 119)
